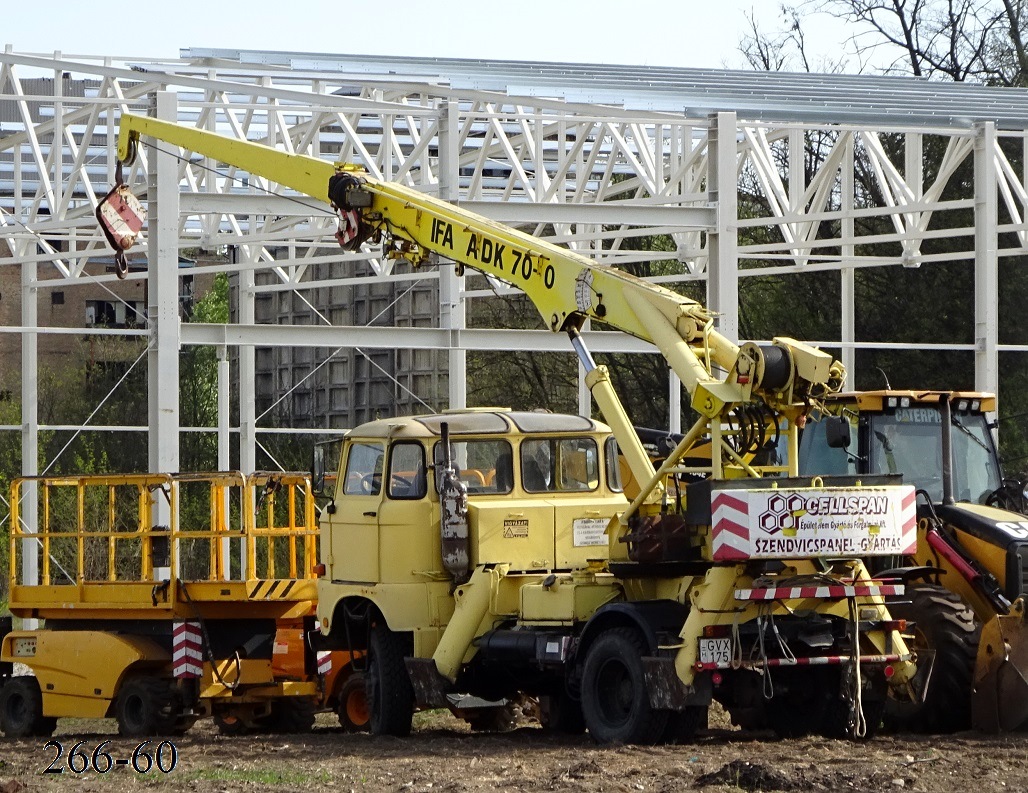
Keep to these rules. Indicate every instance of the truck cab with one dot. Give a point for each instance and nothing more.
(541, 489)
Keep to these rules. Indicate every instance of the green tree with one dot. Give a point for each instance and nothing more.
(198, 384)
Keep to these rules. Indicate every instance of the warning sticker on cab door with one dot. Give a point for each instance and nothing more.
(515, 527)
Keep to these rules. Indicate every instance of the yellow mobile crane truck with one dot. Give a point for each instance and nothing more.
(490, 553)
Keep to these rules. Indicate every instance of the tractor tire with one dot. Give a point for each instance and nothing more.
(21, 710)
(614, 699)
(146, 707)
(946, 636)
(289, 715)
(352, 704)
(390, 693)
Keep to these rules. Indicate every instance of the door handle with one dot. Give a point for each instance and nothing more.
(370, 514)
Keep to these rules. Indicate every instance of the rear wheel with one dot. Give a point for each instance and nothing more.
(352, 704)
(390, 693)
(946, 637)
(21, 710)
(146, 706)
(615, 703)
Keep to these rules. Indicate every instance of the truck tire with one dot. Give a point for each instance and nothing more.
(390, 693)
(614, 699)
(352, 704)
(146, 707)
(946, 636)
(21, 710)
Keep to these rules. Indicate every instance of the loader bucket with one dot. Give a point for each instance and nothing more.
(1000, 698)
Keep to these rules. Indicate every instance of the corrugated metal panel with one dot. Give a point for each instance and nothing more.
(771, 96)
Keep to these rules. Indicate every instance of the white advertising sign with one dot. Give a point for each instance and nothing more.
(785, 523)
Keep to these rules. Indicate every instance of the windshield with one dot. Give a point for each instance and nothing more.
(909, 442)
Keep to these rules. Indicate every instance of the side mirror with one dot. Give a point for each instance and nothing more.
(318, 470)
(837, 432)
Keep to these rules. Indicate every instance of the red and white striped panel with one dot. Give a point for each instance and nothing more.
(187, 650)
(908, 522)
(817, 660)
(324, 657)
(830, 592)
(730, 532)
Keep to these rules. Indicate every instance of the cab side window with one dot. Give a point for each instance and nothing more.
(613, 465)
(364, 464)
(407, 471)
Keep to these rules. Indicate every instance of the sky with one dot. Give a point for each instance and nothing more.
(682, 33)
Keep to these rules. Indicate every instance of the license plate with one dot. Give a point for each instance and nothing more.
(716, 651)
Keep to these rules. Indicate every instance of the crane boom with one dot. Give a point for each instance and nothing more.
(565, 287)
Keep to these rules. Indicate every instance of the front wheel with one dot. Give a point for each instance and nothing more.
(145, 707)
(615, 703)
(946, 637)
(21, 710)
(390, 693)
(352, 704)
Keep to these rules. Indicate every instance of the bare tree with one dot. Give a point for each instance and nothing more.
(960, 40)
(785, 48)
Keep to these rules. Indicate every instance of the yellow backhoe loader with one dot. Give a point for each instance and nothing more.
(967, 579)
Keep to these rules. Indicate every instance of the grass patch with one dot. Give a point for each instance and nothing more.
(264, 776)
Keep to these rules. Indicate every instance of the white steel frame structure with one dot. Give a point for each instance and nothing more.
(584, 155)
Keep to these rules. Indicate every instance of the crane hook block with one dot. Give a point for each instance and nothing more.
(121, 217)
(348, 198)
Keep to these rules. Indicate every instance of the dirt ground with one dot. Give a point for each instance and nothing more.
(442, 755)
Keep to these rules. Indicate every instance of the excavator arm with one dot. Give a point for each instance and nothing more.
(565, 287)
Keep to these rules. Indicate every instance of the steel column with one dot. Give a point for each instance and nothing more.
(162, 312)
(722, 241)
(452, 314)
(986, 261)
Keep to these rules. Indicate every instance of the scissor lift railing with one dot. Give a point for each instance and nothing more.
(165, 546)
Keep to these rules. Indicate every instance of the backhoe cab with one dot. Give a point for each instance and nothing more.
(972, 550)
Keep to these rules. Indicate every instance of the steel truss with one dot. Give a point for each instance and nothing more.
(589, 157)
